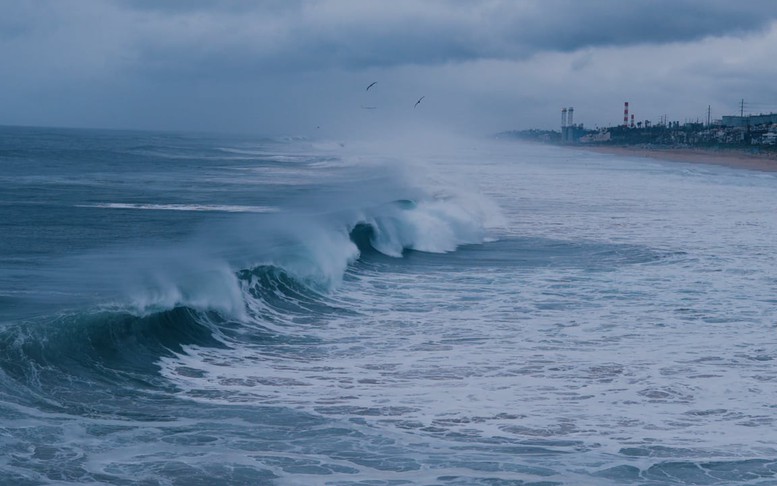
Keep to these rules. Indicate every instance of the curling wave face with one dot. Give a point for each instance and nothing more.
(315, 249)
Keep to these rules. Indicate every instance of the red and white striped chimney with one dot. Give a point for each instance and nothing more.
(626, 114)
(632, 120)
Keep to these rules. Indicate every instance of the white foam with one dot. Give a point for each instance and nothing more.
(201, 285)
(434, 227)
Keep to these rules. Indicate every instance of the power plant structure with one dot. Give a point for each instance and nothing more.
(626, 114)
(627, 122)
(569, 131)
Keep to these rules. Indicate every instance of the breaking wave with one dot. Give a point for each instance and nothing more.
(124, 308)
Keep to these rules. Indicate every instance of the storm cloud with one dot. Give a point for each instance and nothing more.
(288, 66)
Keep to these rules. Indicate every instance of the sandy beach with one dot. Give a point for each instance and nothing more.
(763, 161)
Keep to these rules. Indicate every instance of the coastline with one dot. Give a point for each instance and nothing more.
(734, 158)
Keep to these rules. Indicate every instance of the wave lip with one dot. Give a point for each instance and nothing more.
(433, 226)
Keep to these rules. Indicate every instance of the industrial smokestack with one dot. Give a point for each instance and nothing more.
(563, 118)
(570, 113)
(632, 120)
(626, 114)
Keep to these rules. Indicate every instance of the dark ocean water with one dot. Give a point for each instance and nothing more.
(184, 309)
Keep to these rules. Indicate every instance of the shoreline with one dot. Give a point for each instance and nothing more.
(734, 158)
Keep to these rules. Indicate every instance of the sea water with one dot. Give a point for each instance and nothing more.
(191, 309)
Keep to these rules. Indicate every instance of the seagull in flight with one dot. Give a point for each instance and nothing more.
(419, 100)
(371, 85)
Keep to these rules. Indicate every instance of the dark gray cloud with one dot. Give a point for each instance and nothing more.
(567, 25)
(304, 35)
(299, 34)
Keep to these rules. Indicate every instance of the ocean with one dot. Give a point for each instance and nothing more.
(201, 309)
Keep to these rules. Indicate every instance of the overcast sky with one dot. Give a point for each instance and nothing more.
(298, 67)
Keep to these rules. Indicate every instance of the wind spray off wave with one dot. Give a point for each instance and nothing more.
(311, 231)
(317, 247)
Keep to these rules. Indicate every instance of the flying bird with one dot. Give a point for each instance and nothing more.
(371, 85)
(419, 100)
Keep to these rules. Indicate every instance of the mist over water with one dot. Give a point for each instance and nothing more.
(180, 309)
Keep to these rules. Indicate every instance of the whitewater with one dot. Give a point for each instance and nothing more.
(198, 309)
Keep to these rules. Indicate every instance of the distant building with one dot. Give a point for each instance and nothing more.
(768, 138)
(749, 120)
(599, 136)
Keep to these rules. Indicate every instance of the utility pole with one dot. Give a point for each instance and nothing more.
(742, 108)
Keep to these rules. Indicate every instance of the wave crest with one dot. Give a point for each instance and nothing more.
(435, 226)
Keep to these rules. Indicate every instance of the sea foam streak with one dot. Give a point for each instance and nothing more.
(183, 207)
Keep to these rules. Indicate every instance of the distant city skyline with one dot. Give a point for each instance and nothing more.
(746, 111)
(301, 67)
